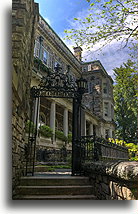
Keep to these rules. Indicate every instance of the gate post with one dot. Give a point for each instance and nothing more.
(33, 130)
(76, 134)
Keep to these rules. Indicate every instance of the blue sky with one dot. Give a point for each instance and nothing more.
(60, 13)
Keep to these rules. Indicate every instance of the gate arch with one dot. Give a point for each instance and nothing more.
(56, 84)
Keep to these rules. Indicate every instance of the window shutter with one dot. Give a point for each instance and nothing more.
(36, 49)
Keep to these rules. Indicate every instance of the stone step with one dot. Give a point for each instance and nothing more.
(46, 169)
(55, 197)
(55, 190)
(54, 180)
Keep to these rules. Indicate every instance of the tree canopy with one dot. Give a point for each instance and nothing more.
(107, 20)
(125, 95)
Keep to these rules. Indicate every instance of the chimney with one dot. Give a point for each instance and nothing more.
(78, 52)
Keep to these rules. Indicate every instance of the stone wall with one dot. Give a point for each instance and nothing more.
(113, 180)
(24, 20)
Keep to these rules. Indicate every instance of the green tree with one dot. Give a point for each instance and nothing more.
(107, 20)
(125, 95)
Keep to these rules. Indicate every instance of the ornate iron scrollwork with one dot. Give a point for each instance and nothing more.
(56, 84)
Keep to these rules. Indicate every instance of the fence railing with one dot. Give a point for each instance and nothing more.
(94, 149)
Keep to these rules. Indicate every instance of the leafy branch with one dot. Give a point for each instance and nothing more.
(106, 21)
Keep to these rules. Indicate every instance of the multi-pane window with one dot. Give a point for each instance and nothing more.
(45, 56)
(37, 49)
(106, 109)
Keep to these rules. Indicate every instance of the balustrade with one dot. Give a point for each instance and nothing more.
(94, 149)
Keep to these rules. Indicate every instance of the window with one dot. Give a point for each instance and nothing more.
(37, 49)
(113, 134)
(56, 62)
(50, 61)
(45, 56)
(106, 109)
(89, 67)
(107, 133)
(105, 88)
(84, 69)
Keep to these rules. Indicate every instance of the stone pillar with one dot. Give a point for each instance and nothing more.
(91, 129)
(65, 122)
(36, 116)
(53, 117)
(110, 133)
(102, 132)
(36, 111)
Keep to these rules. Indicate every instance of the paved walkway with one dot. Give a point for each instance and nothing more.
(59, 172)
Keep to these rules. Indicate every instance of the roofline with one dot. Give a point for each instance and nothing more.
(84, 63)
(80, 62)
(59, 38)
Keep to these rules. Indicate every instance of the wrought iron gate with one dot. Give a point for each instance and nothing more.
(56, 84)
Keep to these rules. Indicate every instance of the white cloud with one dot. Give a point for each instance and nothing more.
(112, 55)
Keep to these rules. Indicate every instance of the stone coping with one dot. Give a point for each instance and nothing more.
(126, 170)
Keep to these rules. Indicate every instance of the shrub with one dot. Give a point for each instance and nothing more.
(70, 137)
(132, 148)
(60, 135)
(40, 65)
(45, 131)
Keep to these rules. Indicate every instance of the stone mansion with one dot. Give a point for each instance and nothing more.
(98, 102)
(70, 132)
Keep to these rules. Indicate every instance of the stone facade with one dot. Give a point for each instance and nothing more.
(114, 180)
(99, 98)
(50, 50)
(37, 49)
(24, 20)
